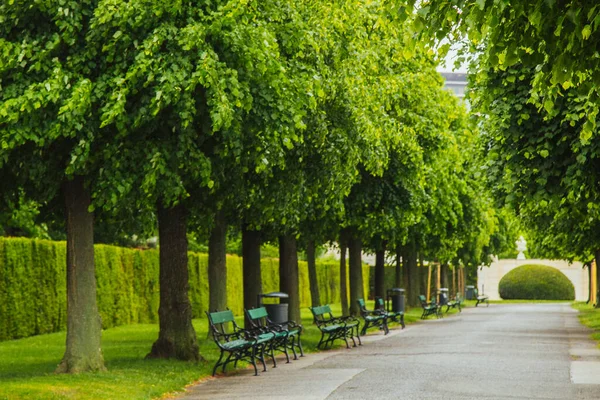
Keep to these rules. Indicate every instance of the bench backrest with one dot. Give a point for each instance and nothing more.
(379, 304)
(422, 299)
(362, 306)
(221, 317)
(218, 322)
(320, 312)
(258, 317)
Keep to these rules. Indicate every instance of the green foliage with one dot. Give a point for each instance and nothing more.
(536, 282)
(537, 165)
(33, 285)
(555, 40)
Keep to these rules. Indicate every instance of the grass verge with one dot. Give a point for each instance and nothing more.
(590, 317)
(27, 365)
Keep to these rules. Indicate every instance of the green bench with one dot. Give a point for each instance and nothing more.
(481, 299)
(334, 328)
(395, 316)
(456, 303)
(430, 308)
(372, 318)
(240, 344)
(287, 335)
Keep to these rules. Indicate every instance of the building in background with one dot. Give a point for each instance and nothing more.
(456, 82)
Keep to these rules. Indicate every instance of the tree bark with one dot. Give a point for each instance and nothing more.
(424, 274)
(343, 273)
(414, 287)
(84, 326)
(251, 267)
(315, 297)
(398, 277)
(288, 275)
(356, 278)
(445, 282)
(597, 255)
(217, 264)
(380, 272)
(176, 336)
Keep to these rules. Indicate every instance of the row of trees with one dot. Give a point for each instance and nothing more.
(537, 85)
(299, 122)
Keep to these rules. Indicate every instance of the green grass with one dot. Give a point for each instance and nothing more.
(27, 365)
(590, 317)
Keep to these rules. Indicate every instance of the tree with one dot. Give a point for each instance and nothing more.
(538, 164)
(204, 116)
(51, 143)
(556, 41)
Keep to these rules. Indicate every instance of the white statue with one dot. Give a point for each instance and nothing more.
(521, 247)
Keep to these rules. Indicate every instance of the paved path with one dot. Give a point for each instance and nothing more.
(513, 351)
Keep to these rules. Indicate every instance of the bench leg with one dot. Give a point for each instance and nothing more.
(273, 354)
(253, 360)
(321, 341)
(358, 336)
(299, 345)
(285, 348)
(365, 327)
(228, 359)
(217, 364)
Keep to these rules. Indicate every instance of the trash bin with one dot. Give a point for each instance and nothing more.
(396, 297)
(443, 296)
(278, 312)
(470, 292)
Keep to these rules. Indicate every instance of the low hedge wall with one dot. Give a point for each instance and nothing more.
(33, 285)
(536, 282)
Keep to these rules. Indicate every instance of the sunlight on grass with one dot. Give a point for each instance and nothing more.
(27, 365)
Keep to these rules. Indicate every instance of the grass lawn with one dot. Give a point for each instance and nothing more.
(590, 317)
(27, 365)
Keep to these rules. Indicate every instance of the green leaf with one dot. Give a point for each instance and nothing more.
(586, 133)
(586, 32)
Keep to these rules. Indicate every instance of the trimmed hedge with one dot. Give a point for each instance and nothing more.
(33, 285)
(536, 282)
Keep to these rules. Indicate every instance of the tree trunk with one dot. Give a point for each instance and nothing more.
(445, 282)
(356, 278)
(315, 297)
(414, 287)
(597, 255)
(398, 277)
(424, 274)
(217, 264)
(84, 326)
(176, 336)
(251, 268)
(288, 275)
(343, 273)
(380, 272)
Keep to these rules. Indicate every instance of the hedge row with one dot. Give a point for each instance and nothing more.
(536, 282)
(33, 285)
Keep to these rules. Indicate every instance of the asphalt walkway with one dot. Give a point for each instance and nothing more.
(513, 351)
